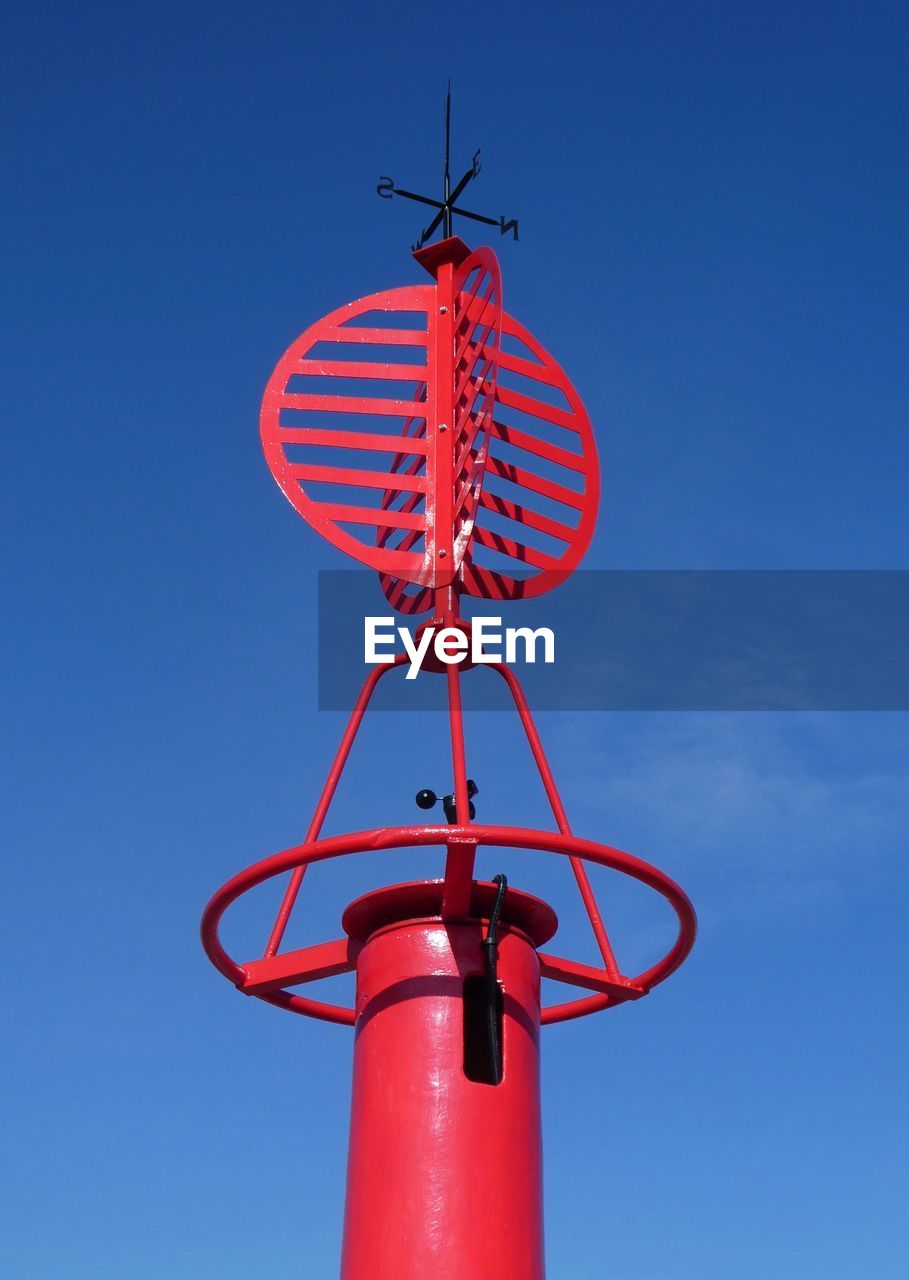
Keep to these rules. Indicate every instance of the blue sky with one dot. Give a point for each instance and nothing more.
(713, 203)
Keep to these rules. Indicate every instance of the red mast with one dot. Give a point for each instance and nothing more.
(445, 1122)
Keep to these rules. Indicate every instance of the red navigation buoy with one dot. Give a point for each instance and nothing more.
(471, 470)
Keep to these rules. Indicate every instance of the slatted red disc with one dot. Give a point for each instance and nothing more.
(538, 505)
(375, 422)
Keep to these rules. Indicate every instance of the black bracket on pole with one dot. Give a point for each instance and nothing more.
(426, 799)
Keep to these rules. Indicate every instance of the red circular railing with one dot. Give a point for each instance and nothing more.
(270, 977)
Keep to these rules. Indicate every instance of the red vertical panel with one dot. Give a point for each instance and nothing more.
(441, 435)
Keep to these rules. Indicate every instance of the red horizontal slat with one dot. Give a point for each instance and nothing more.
(378, 337)
(528, 369)
(348, 475)
(536, 408)
(517, 550)
(542, 448)
(536, 484)
(353, 404)
(359, 369)
(532, 519)
(354, 440)
(382, 518)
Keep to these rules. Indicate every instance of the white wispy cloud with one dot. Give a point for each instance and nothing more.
(796, 809)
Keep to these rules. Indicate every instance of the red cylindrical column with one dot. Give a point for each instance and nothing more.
(444, 1170)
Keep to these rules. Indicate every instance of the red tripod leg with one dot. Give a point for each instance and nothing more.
(558, 809)
(328, 792)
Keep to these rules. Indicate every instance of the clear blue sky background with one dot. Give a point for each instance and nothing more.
(713, 204)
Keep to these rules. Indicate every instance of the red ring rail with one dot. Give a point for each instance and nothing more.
(267, 978)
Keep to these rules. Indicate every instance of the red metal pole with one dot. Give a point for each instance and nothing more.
(444, 1170)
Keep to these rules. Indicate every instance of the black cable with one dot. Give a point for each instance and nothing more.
(490, 943)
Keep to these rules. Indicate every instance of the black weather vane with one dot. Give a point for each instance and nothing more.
(446, 206)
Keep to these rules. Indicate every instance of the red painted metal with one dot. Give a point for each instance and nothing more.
(308, 459)
(457, 458)
(461, 842)
(540, 499)
(541, 491)
(271, 977)
(420, 435)
(426, 1195)
(307, 964)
